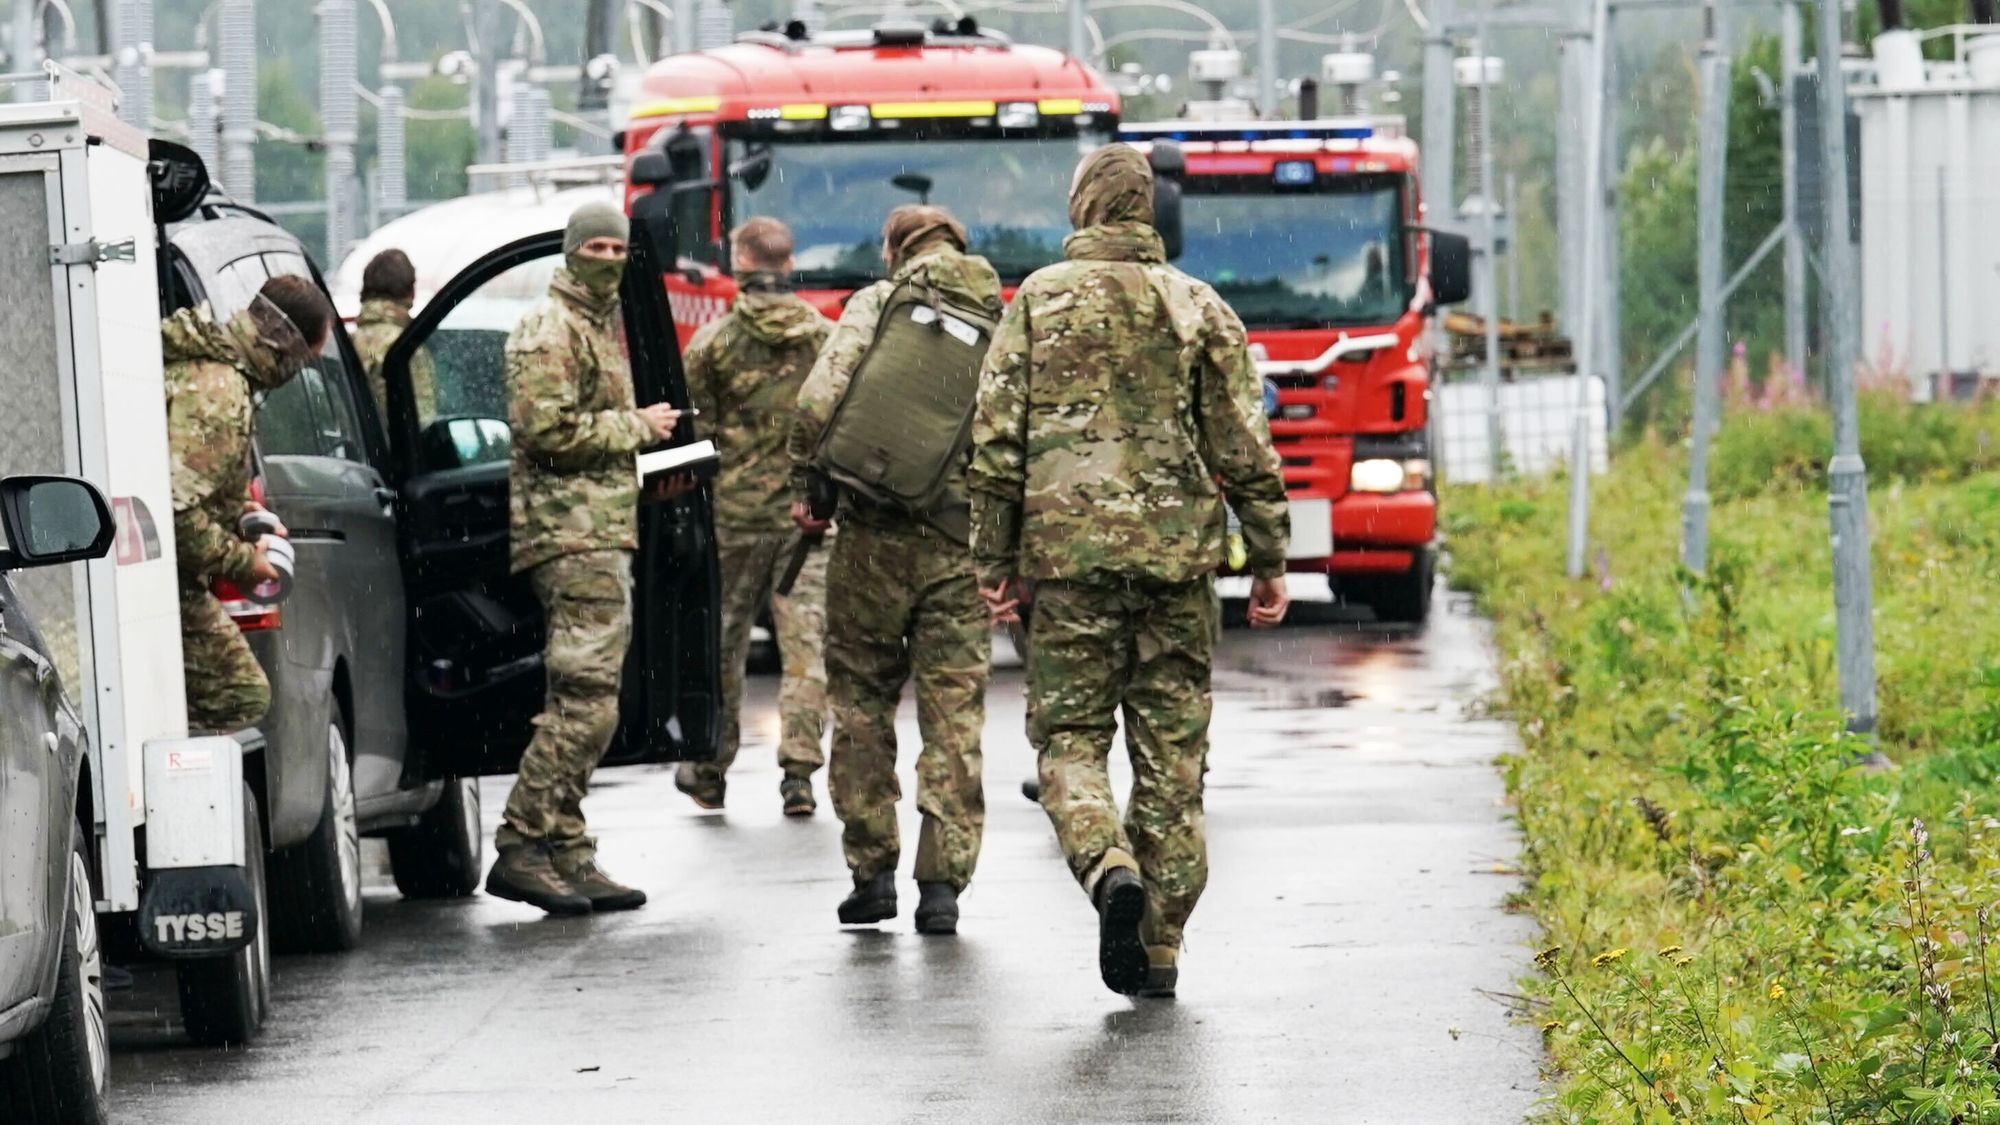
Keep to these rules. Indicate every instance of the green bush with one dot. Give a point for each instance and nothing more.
(1788, 446)
(1742, 924)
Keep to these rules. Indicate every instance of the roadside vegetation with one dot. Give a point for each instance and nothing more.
(1741, 925)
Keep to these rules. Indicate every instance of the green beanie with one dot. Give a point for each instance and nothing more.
(595, 220)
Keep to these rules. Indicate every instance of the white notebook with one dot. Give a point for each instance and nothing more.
(697, 457)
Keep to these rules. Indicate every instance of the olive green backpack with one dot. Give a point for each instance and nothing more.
(898, 435)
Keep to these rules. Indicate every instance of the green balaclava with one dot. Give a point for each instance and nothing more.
(595, 220)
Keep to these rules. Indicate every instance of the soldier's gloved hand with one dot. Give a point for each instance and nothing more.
(661, 417)
(1003, 602)
(1268, 602)
(802, 515)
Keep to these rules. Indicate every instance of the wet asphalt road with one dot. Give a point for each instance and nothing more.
(1340, 969)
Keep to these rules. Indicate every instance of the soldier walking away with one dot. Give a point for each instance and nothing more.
(574, 492)
(388, 289)
(213, 369)
(1117, 392)
(744, 372)
(902, 603)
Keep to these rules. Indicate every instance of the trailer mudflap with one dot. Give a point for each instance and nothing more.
(198, 901)
(197, 911)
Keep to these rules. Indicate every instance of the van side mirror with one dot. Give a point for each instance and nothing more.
(1169, 165)
(652, 168)
(1451, 268)
(50, 520)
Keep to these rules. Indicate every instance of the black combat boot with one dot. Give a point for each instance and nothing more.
(798, 795)
(937, 908)
(525, 873)
(1032, 790)
(872, 900)
(605, 893)
(1121, 953)
(1163, 973)
(707, 794)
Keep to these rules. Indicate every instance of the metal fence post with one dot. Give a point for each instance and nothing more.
(1710, 342)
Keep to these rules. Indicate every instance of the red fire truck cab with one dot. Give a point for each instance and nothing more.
(830, 132)
(1311, 231)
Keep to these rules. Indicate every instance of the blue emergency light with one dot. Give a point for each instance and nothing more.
(1293, 173)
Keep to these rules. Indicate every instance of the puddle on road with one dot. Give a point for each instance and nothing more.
(1307, 699)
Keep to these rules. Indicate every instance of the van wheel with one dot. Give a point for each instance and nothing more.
(224, 999)
(443, 854)
(316, 883)
(59, 1072)
(1399, 599)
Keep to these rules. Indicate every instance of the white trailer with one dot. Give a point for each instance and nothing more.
(176, 836)
(1930, 256)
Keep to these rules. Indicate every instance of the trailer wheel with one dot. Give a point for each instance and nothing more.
(316, 883)
(1399, 599)
(442, 855)
(224, 999)
(59, 1072)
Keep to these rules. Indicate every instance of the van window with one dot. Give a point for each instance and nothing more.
(290, 419)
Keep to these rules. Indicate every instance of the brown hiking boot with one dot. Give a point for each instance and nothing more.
(605, 893)
(525, 874)
(707, 794)
(798, 795)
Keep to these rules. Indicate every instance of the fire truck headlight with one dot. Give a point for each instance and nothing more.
(1270, 399)
(1377, 474)
(848, 118)
(1018, 115)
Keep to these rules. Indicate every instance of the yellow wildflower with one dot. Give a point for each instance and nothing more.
(1683, 961)
(1777, 991)
(1547, 957)
(1608, 956)
(1669, 951)
(1551, 1026)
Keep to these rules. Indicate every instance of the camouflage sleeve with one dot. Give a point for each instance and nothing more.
(423, 384)
(827, 382)
(199, 444)
(1236, 439)
(549, 423)
(997, 475)
(702, 378)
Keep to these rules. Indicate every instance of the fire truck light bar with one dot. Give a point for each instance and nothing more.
(674, 107)
(1308, 133)
(903, 111)
(800, 111)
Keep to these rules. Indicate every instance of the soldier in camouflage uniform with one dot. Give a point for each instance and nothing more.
(388, 289)
(573, 486)
(901, 602)
(744, 372)
(1117, 393)
(213, 369)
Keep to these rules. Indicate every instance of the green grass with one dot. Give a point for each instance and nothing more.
(1742, 925)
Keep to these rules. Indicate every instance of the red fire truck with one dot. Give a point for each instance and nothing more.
(1311, 231)
(829, 132)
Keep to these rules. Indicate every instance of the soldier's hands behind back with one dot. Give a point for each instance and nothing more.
(1268, 602)
(802, 515)
(661, 417)
(1003, 602)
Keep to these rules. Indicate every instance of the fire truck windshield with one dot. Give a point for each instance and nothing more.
(1011, 193)
(1298, 259)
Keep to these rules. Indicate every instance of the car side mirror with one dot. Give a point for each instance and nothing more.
(1169, 165)
(50, 520)
(1451, 268)
(652, 168)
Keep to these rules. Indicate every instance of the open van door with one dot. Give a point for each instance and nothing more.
(474, 656)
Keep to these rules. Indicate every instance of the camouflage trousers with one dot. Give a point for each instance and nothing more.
(903, 603)
(587, 613)
(226, 687)
(751, 564)
(1143, 649)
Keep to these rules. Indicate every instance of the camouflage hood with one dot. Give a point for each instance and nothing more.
(261, 342)
(968, 276)
(1111, 206)
(773, 315)
(381, 310)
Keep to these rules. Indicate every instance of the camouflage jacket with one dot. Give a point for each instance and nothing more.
(211, 371)
(1117, 391)
(744, 372)
(380, 322)
(573, 483)
(966, 274)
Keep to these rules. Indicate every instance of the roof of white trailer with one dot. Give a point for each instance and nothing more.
(444, 238)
